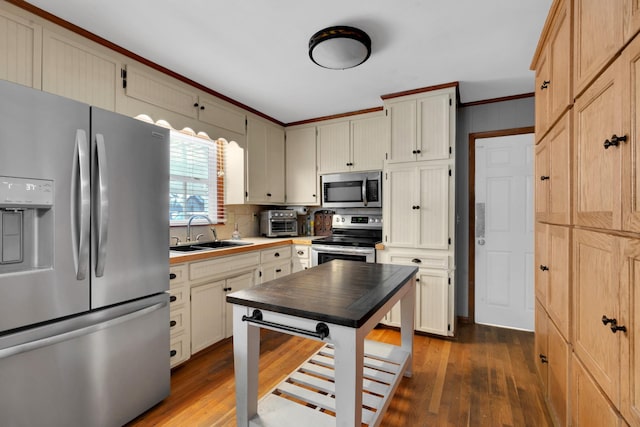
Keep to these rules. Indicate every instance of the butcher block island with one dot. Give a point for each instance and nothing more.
(349, 381)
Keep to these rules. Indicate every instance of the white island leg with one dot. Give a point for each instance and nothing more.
(246, 353)
(349, 365)
(407, 322)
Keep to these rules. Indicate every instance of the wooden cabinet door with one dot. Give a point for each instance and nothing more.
(433, 311)
(596, 287)
(334, 151)
(207, 315)
(632, 19)
(300, 170)
(433, 206)
(598, 116)
(434, 127)
(559, 288)
(560, 56)
(20, 50)
(75, 71)
(402, 128)
(238, 283)
(631, 153)
(369, 138)
(559, 172)
(598, 36)
(542, 262)
(541, 349)
(542, 81)
(558, 380)
(589, 407)
(542, 177)
(400, 199)
(629, 318)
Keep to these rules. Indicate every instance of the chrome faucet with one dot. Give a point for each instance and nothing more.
(191, 218)
(215, 235)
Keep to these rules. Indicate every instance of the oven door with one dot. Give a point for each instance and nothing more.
(325, 253)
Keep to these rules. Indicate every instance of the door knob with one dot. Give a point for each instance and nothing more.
(481, 242)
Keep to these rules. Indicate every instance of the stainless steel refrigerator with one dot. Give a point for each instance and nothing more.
(84, 264)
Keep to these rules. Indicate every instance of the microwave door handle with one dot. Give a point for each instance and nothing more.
(364, 192)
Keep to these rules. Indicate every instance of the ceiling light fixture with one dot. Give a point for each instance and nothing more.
(340, 47)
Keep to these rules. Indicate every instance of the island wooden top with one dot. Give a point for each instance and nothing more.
(341, 292)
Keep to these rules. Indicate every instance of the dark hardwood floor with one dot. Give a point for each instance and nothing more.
(486, 377)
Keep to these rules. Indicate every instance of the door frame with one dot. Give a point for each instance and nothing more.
(471, 273)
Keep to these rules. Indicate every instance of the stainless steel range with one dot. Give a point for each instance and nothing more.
(353, 237)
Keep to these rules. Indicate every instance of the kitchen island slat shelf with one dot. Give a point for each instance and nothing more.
(350, 380)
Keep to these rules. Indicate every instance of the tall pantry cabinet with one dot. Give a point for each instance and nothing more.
(587, 251)
(419, 211)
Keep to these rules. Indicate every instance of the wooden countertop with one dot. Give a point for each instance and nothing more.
(256, 244)
(341, 292)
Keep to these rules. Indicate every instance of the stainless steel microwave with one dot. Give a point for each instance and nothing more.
(352, 190)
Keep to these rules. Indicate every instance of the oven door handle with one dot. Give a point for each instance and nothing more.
(342, 250)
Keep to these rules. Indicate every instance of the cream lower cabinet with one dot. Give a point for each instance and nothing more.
(210, 281)
(179, 314)
(301, 258)
(274, 263)
(434, 291)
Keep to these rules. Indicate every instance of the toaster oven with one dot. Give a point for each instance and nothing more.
(278, 223)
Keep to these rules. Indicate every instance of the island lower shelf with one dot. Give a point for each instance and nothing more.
(308, 393)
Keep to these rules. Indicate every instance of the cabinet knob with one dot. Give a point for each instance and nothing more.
(202, 107)
(172, 353)
(418, 151)
(196, 104)
(543, 358)
(615, 141)
(414, 152)
(172, 276)
(544, 178)
(172, 323)
(545, 84)
(544, 268)
(313, 195)
(268, 194)
(300, 252)
(613, 324)
(173, 298)
(416, 261)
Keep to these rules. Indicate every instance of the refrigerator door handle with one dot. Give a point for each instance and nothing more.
(75, 333)
(81, 187)
(103, 212)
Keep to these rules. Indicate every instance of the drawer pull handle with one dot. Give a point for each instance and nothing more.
(545, 84)
(613, 324)
(278, 270)
(172, 276)
(543, 358)
(300, 252)
(172, 323)
(544, 268)
(322, 330)
(544, 178)
(172, 353)
(277, 254)
(615, 141)
(268, 194)
(416, 261)
(173, 298)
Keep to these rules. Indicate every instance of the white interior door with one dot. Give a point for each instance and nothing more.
(504, 290)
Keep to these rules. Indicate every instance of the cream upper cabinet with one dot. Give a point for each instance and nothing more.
(73, 70)
(265, 162)
(211, 112)
(20, 50)
(300, 167)
(422, 128)
(416, 208)
(352, 145)
(598, 36)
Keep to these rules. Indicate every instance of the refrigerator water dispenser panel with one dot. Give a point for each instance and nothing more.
(25, 192)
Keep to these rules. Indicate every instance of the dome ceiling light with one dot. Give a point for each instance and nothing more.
(340, 47)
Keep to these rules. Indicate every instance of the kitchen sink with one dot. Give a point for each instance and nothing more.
(205, 246)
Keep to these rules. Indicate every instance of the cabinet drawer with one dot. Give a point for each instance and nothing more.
(275, 254)
(177, 275)
(178, 295)
(220, 266)
(177, 321)
(178, 349)
(301, 251)
(440, 262)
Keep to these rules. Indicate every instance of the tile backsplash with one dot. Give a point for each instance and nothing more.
(246, 216)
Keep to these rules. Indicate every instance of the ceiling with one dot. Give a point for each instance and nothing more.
(256, 52)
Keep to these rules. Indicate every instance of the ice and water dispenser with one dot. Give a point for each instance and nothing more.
(26, 224)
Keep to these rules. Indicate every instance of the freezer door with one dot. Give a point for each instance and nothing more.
(100, 369)
(42, 273)
(130, 221)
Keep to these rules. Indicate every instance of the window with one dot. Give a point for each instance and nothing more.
(196, 178)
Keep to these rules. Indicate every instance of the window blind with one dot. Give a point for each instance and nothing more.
(196, 178)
